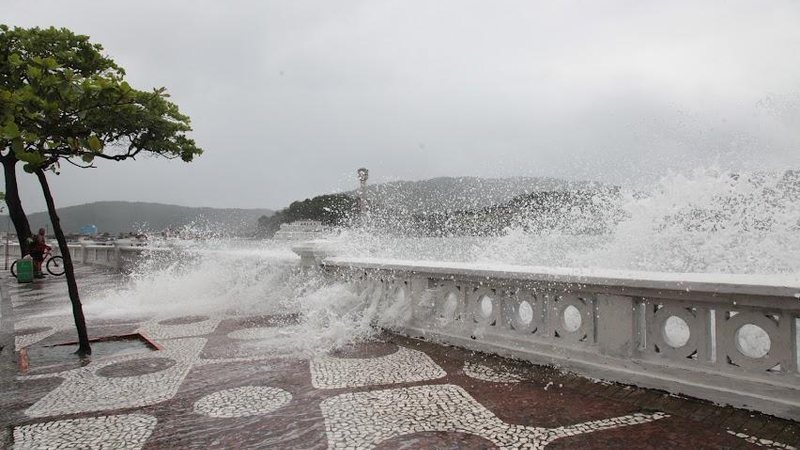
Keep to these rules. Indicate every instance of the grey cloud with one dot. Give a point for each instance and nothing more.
(288, 98)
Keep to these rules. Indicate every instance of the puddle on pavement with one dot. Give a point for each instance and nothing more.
(35, 359)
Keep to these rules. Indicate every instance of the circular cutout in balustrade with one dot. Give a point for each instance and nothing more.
(183, 320)
(135, 367)
(752, 341)
(399, 294)
(486, 306)
(450, 306)
(676, 332)
(571, 319)
(525, 312)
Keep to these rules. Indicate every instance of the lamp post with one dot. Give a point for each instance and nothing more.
(363, 175)
(8, 224)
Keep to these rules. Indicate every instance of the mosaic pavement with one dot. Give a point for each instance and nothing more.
(365, 419)
(214, 385)
(108, 385)
(128, 431)
(242, 401)
(486, 373)
(403, 366)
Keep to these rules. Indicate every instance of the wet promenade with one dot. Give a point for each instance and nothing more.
(220, 381)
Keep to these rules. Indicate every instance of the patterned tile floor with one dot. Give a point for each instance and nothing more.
(209, 387)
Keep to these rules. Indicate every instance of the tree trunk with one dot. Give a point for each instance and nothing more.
(72, 286)
(15, 211)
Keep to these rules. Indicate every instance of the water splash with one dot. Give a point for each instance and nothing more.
(227, 278)
(708, 221)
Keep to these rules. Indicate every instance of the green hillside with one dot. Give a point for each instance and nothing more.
(121, 217)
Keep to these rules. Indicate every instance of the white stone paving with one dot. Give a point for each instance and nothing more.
(83, 390)
(128, 431)
(486, 373)
(153, 329)
(262, 333)
(403, 366)
(365, 419)
(242, 402)
(54, 323)
(768, 443)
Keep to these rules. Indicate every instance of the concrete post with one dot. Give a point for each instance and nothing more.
(615, 325)
(117, 257)
(313, 252)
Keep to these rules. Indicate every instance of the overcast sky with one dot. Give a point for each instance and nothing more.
(288, 98)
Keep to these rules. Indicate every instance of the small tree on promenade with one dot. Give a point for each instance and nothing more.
(63, 100)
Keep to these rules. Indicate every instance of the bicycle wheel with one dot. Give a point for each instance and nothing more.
(14, 268)
(55, 266)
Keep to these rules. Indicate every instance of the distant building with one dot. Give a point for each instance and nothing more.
(88, 230)
(301, 230)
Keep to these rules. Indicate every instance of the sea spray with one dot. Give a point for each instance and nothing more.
(707, 221)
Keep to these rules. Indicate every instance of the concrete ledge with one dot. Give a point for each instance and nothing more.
(718, 284)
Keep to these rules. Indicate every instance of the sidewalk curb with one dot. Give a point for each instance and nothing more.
(8, 359)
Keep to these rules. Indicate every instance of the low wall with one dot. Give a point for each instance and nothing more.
(118, 256)
(114, 256)
(9, 252)
(715, 338)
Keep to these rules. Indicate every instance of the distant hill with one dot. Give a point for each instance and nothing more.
(120, 217)
(462, 206)
(462, 193)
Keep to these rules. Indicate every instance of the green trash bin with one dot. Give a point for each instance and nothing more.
(25, 270)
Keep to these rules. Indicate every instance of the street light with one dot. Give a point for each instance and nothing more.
(363, 175)
(8, 224)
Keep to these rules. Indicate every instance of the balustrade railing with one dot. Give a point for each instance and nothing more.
(727, 339)
(114, 256)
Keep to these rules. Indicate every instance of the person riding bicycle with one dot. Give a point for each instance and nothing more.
(40, 247)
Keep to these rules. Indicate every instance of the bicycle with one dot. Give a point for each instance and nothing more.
(54, 264)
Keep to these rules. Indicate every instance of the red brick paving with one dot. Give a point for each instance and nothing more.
(548, 398)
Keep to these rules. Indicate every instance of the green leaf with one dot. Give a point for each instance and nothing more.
(50, 63)
(87, 158)
(28, 168)
(16, 145)
(34, 72)
(15, 60)
(9, 131)
(94, 144)
(52, 74)
(34, 158)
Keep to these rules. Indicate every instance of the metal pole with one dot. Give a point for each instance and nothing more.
(8, 225)
(363, 175)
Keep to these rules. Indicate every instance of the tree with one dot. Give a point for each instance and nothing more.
(63, 100)
(330, 209)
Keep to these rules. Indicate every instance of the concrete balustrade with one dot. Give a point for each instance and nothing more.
(118, 256)
(727, 339)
